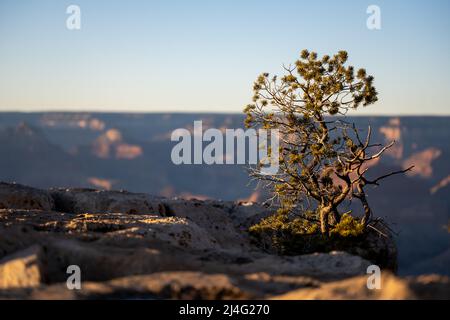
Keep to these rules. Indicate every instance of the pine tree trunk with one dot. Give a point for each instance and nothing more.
(335, 217)
(324, 215)
(365, 204)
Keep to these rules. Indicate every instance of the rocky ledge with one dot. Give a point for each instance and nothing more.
(130, 245)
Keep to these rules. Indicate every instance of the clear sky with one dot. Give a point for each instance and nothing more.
(192, 55)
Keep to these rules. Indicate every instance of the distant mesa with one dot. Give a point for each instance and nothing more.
(190, 196)
(254, 197)
(104, 184)
(393, 132)
(442, 184)
(111, 144)
(76, 120)
(422, 162)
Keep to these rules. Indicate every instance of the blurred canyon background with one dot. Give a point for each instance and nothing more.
(132, 152)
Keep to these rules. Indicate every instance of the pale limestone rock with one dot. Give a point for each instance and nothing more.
(22, 269)
(392, 288)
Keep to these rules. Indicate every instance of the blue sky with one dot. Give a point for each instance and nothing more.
(198, 55)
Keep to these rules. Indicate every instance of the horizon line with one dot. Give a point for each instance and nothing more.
(211, 112)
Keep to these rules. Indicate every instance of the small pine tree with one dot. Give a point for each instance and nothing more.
(323, 158)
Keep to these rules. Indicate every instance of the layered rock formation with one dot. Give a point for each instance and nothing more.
(137, 246)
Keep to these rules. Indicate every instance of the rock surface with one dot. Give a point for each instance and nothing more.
(137, 246)
(21, 269)
(99, 201)
(392, 288)
(16, 196)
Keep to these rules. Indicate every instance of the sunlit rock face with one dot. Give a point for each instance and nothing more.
(111, 144)
(100, 183)
(392, 131)
(442, 184)
(422, 162)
